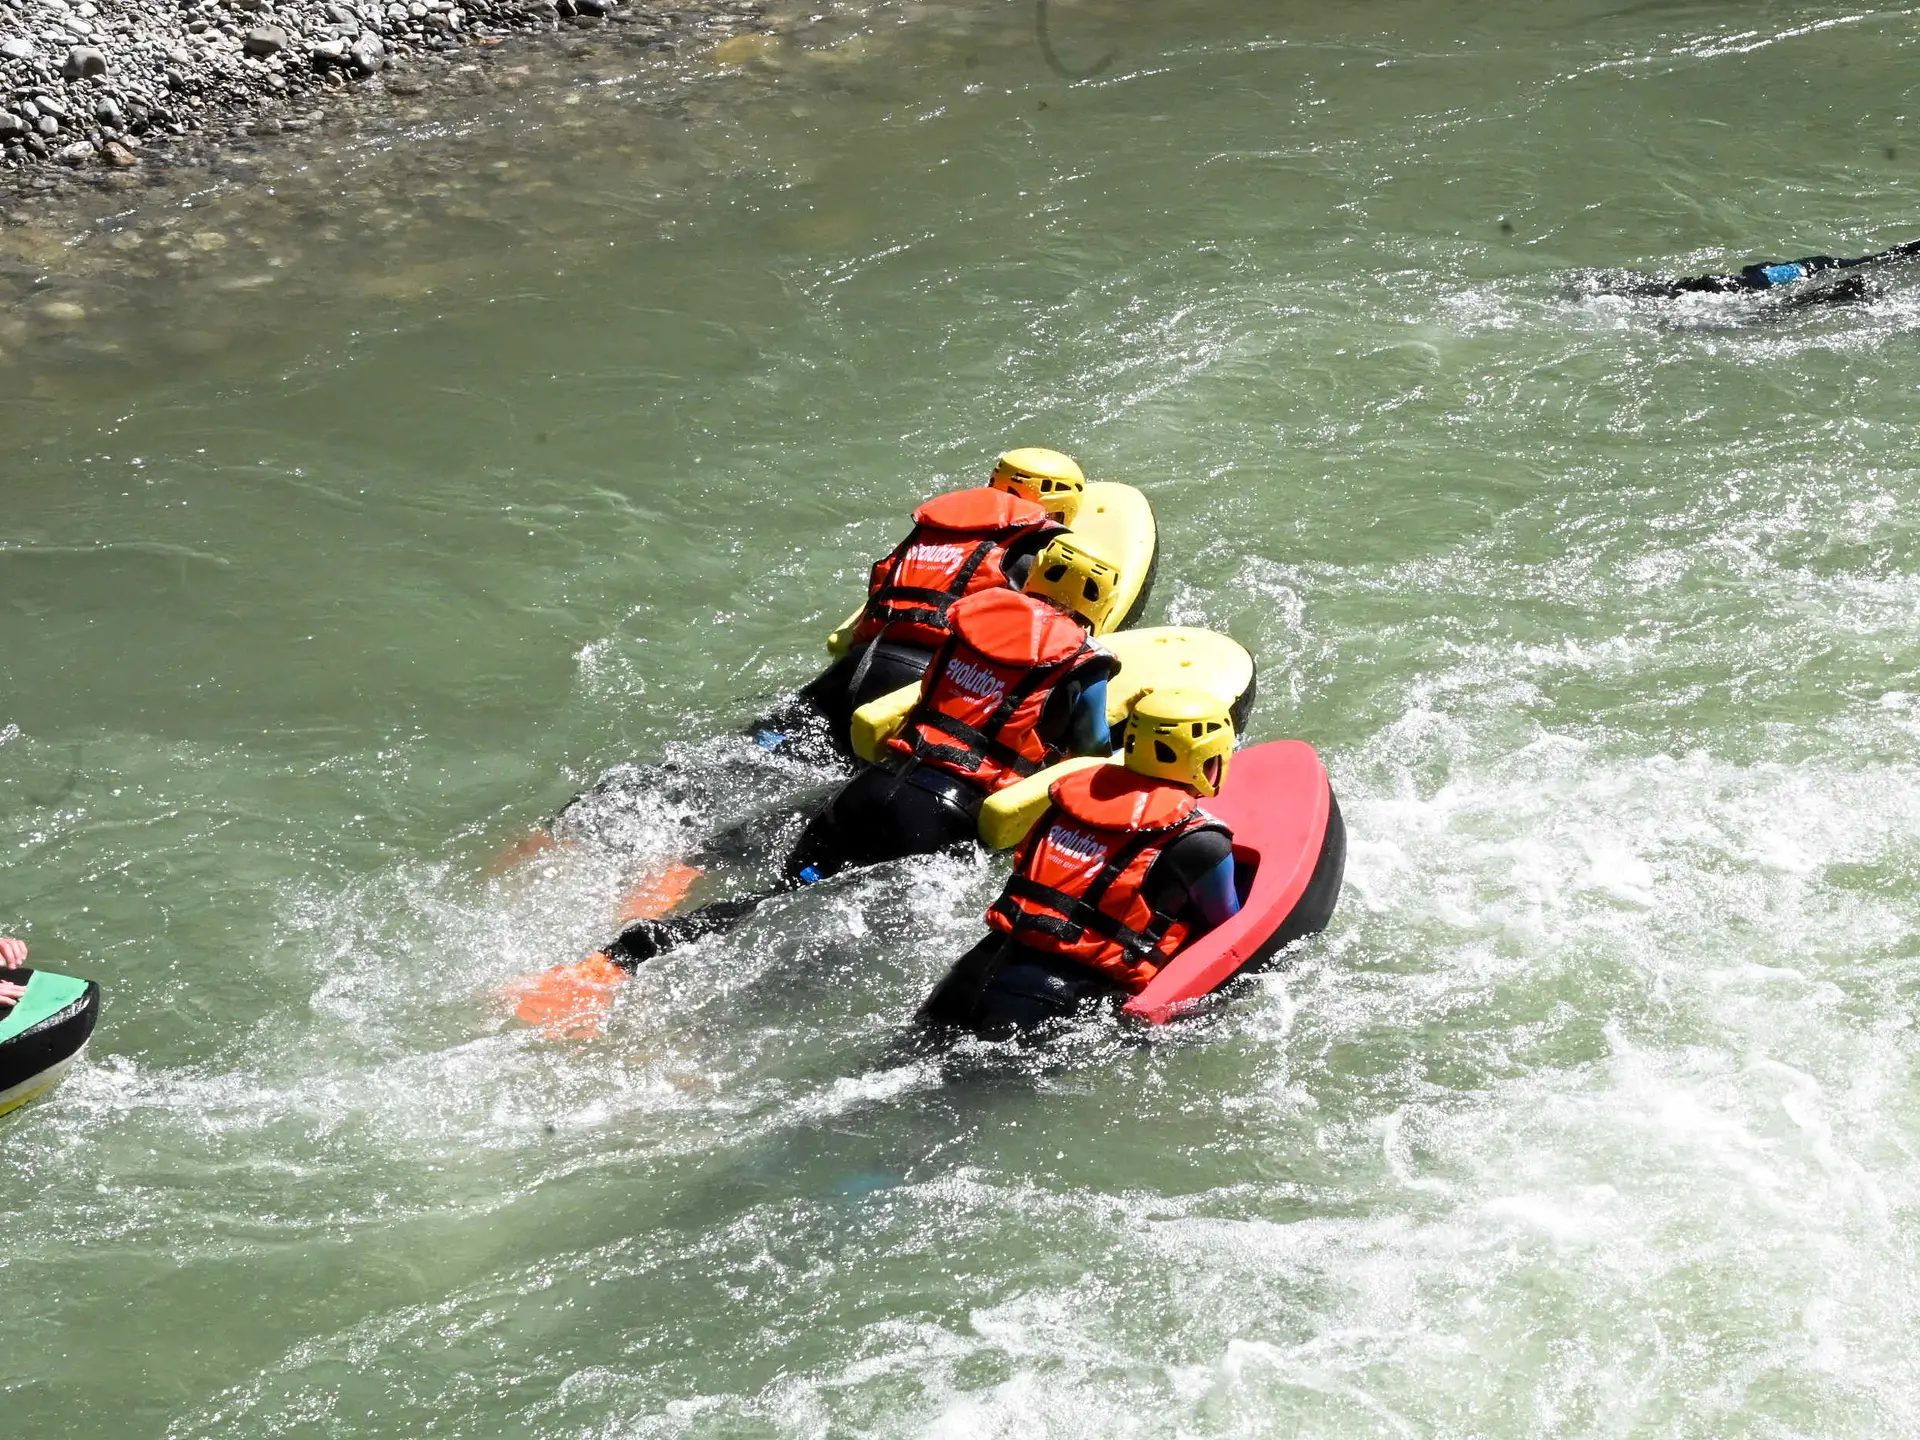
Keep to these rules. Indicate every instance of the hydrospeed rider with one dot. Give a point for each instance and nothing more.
(1121, 870)
(963, 542)
(13, 956)
(1018, 685)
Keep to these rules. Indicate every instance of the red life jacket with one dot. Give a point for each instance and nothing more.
(978, 715)
(1078, 886)
(958, 545)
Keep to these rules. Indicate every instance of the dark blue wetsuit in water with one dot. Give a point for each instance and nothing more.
(905, 807)
(1001, 987)
(823, 708)
(1017, 685)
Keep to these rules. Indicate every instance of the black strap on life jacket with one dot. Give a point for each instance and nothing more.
(1082, 912)
(983, 742)
(920, 597)
(935, 602)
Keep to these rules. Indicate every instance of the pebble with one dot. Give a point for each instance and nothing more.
(88, 84)
(83, 62)
(63, 313)
(745, 50)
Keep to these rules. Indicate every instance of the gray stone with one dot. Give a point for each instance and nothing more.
(266, 40)
(83, 62)
(330, 52)
(368, 54)
(47, 125)
(77, 153)
(17, 49)
(107, 112)
(12, 127)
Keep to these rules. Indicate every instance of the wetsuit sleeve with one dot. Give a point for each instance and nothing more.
(1215, 900)
(1087, 732)
(1195, 879)
(1066, 722)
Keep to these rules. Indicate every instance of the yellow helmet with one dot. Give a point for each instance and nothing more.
(1044, 476)
(1181, 735)
(1074, 578)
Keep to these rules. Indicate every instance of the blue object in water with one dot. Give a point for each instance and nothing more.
(769, 739)
(865, 1182)
(809, 875)
(1782, 274)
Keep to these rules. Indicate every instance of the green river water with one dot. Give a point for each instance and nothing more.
(507, 444)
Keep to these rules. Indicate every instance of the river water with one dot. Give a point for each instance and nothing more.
(548, 429)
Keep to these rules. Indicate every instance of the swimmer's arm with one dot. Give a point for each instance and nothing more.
(1214, 895)
(1087, 730)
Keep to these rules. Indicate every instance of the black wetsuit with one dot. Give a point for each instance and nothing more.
(830, 698)
(1000, 986)
(901, 807)
(885, 812)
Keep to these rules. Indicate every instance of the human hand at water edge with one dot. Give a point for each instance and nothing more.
(13, 954)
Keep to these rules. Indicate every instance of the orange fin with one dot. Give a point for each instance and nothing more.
(568, 1000)
(658, 893)
(540, 842)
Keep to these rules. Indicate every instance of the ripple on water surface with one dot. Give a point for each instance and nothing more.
(1593, 1112)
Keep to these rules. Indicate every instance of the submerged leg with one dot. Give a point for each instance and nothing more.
(820, 715)
(999, 989)
(640, 943)
(881, 815)
(956, 998)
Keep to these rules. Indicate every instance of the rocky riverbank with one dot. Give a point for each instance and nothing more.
(92, 87)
